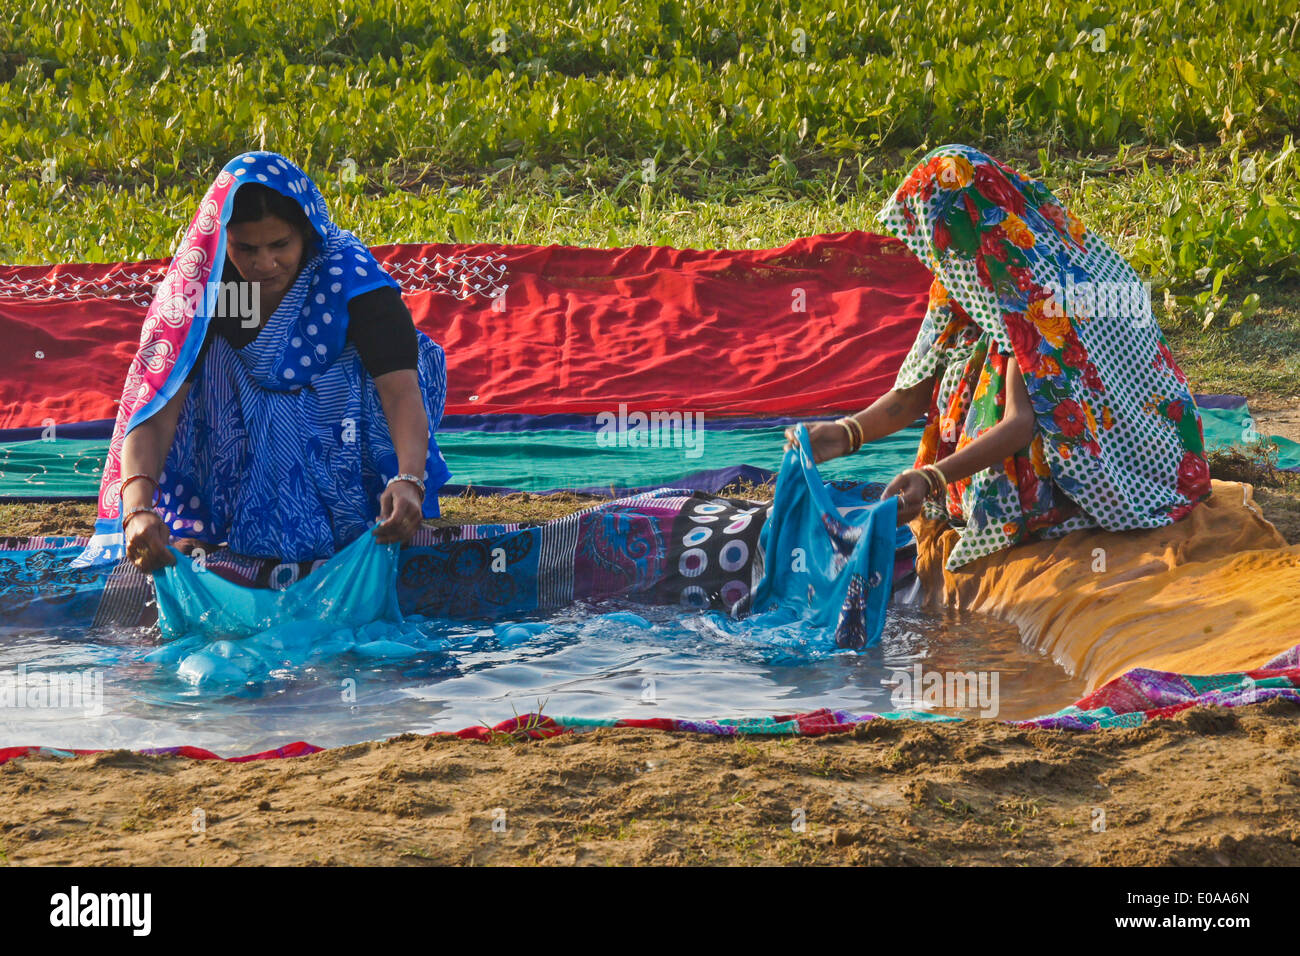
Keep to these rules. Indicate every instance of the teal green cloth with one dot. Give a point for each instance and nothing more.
(540, 460)
(529, 461)
(562, 458)
(58, 468)
(1226, 427)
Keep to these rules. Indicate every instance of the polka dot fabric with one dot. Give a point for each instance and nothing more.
(712, 552)
(1118, 442)
(176, 322)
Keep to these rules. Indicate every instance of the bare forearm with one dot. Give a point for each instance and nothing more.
(408, 425)
(145, 448)
(141, 455)
(992, 447)
(894, 410)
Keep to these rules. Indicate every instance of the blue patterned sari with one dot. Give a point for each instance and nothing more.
(282, 448)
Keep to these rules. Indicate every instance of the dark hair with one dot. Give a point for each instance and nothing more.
(253, 201)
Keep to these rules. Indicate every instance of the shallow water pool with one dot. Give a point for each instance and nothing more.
(587, 664)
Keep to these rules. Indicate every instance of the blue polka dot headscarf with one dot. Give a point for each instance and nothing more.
(342, 268)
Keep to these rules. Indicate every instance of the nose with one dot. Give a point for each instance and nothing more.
(264, 264)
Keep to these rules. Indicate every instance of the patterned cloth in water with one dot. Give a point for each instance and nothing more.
(833, 567)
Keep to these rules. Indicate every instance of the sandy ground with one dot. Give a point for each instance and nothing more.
(1209, 787)
(1276, 416)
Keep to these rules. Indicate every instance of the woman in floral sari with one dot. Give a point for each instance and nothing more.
(1051, 400)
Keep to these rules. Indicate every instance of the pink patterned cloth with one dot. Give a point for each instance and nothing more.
(151, 379)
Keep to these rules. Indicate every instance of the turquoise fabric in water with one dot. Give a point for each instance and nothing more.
(829, 564)
(221, 633)
(832, 567)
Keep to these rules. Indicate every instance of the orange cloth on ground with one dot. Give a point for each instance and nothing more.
(1216, 591)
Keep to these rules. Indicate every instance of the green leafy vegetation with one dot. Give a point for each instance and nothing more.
(1169, 129)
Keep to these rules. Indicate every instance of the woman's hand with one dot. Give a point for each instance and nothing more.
(911, 488)
(146, 538)
(401, 510)
(187, 545)
(828, 439)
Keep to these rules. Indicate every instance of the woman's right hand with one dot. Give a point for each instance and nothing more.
(828, 439)
(911, 489)
(147, 537)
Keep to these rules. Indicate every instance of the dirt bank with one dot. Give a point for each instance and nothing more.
(1209, 787)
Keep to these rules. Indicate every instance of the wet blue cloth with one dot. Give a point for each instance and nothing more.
(223, 634)
(831, 566)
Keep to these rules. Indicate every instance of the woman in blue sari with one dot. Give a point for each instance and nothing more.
(281, 399)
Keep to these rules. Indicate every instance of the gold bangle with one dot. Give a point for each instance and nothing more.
(936, 479)
(849, 432)
(925, 475)
(857, 427)
(916, 471)
(854, 430)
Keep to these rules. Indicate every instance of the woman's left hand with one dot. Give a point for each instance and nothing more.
(400, 512)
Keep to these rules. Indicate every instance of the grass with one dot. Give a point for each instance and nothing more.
(522, 507)
(743, 123)
(1258, 357)
(1256, 464)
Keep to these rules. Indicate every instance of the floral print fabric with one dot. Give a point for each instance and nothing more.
(1118, 442)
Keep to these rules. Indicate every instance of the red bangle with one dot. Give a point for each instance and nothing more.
(136, 511)
(121, 485)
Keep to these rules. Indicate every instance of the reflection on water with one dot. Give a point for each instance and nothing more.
(586, 664)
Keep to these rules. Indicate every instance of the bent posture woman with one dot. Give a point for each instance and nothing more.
(1051, 400)
(281, 398)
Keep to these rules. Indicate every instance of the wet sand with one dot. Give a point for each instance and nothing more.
(1209, 787)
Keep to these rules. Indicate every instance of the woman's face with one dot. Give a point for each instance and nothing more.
(268, 251)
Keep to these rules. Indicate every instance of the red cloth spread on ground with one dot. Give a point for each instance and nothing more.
(819, 325)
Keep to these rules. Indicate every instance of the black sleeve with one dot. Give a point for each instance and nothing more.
(203, 351)
(381, 327)
(228, 274)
